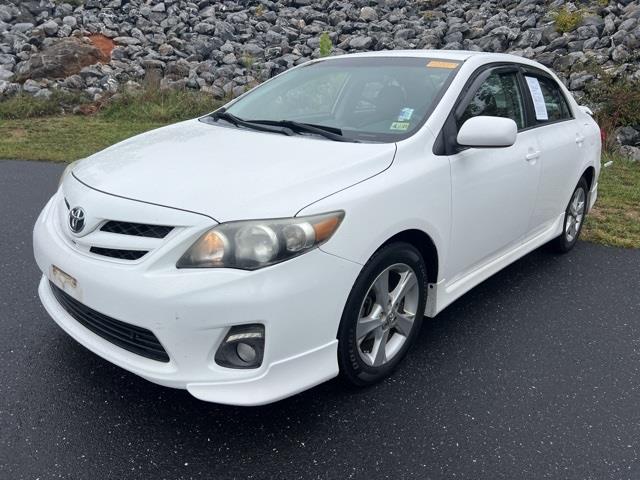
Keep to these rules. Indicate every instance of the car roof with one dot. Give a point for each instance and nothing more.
(445, 54)
(457, 55)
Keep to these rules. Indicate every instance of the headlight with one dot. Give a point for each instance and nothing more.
(254, 244)
(66, 172)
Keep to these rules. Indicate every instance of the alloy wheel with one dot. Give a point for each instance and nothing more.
(575, 215)
(387, 314)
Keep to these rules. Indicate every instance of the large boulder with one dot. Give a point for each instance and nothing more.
(60, 58)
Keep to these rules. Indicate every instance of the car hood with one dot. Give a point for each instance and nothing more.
(228, 173)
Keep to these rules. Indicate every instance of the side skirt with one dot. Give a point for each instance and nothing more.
(442, 294)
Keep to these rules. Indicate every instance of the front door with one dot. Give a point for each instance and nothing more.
(493, 189)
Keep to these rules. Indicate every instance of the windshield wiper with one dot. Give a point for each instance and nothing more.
(222, 114)
(332, 133)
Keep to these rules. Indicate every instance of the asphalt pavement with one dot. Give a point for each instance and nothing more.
(533, 374)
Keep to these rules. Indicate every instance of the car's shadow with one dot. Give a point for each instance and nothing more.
(134, 403)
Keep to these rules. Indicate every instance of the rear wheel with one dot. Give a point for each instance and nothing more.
(383, 314)
(573, 219)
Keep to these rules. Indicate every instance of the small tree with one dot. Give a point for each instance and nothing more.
(326, 45)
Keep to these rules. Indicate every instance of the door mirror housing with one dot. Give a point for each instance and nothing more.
(487, 132)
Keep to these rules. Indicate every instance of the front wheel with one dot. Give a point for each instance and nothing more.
(573, 219)
(383, 314)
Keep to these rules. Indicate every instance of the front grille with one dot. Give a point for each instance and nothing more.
(118, 253)
(130, 337)
(136, 229)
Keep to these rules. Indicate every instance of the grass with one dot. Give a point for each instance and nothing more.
(32, 129)
(40, 130)
(615, 220)
(64, 138)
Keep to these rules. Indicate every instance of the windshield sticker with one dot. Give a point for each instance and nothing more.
(405, 114)
(538, 99)
(399, 126)
(442, 64)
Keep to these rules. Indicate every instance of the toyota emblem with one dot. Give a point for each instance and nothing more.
(76, 219)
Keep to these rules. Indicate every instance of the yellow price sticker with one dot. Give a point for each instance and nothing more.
(442, 64)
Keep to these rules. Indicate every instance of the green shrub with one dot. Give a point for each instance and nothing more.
(616, 102)
(248, 61)
(24, 106)
(567, 20)
(161, 106)
(326, 45)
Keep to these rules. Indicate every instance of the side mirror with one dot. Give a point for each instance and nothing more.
(488, 132)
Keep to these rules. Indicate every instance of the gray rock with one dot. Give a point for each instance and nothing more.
(579, 80)
(368, 14)
(6, 13)
(632, 153)
(22, 27)
(619, 54)
(31, 86)
(7, 61)
(205, 28)
(74, 82)
(6, 75)
(9, 89)
(237, 91)
(70, 21)
(230, 59)
(60, 58)
(50, 27)
(126, 41)
(360, 42)
(43, 93)
(627, 136)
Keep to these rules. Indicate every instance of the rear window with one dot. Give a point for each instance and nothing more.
(554, 107)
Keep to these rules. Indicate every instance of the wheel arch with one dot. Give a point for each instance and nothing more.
(424, 244)
(589, 175)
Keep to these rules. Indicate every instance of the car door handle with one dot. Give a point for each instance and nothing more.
(532, 156)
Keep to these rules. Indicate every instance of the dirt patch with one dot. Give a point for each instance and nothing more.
(18, 133)
(104, 44)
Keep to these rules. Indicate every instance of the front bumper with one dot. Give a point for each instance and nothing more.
(300, 303)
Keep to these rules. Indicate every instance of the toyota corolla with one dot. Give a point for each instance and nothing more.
(306, 228)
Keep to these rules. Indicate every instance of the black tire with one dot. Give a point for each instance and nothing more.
(352, 366)
(565, 242)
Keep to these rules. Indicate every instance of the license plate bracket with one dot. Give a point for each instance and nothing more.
(64, 281)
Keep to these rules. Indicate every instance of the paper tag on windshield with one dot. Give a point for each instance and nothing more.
(399, 126)
(405, 114)
(538, 99)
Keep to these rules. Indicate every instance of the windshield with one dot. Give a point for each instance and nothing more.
(379, 99)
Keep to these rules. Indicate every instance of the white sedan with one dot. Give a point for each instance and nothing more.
(305, 229)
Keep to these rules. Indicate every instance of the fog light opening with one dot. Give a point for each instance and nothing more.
(246, 352)
(243, 347)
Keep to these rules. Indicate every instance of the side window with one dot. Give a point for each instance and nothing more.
(498, 96)
(557, 108)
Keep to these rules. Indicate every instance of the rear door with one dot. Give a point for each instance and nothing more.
(561, 140)
(493, 189)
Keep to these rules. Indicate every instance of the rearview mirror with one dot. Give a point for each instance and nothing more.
(488, 132)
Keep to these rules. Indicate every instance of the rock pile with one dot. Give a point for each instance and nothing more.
(224, 47)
